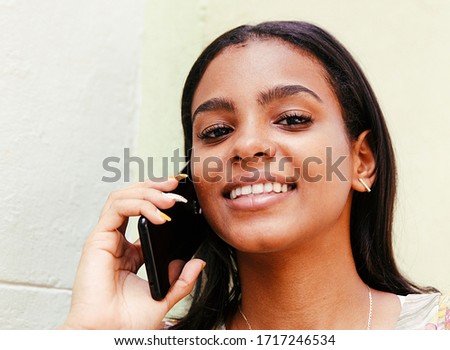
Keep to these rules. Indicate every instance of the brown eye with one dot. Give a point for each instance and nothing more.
(294, 120)
(214, 132)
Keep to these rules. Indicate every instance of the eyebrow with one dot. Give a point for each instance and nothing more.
(283, 91)
(264, 98)
(214, 104)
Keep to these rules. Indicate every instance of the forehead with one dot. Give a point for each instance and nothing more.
(259, 64)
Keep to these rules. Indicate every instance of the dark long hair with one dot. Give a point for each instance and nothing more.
(217, 293)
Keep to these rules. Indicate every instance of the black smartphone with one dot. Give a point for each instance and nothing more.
(179, 238)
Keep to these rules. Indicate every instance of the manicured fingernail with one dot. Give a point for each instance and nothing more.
(163, 216)
(179, 177)
(175, 196)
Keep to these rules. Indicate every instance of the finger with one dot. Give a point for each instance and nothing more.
(112, 242)
(140, 256)
(122, 209)
(175, 268)
(134, 258)
(130, 255)
(155, 196)
(185, 282)
(167, 185)
(123, 228)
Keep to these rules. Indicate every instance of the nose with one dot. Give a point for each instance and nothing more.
(253, 142)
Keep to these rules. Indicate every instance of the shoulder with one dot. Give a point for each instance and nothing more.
(425, 311)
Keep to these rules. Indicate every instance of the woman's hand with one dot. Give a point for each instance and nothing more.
(107, 293)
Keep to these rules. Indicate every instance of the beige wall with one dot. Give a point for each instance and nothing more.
(403, 48)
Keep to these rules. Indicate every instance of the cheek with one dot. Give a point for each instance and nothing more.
(208, 175)
(209, 201)
(329, 164)
(326, 180)
(208, 166)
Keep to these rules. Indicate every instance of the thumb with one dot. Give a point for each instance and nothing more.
(185, 282)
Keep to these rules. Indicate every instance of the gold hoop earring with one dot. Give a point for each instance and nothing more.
(364, 184)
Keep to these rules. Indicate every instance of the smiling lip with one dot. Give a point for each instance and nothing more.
(257, 195)
(258, 189)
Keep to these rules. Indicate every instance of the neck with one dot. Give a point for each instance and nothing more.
(314, 286)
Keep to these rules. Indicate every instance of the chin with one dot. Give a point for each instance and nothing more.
(260, 237)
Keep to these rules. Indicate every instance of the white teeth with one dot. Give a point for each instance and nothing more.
(246, 190)
(277, 187)
(268, 187)
(258, 189)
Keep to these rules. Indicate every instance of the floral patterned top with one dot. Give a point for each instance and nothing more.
(424, 311)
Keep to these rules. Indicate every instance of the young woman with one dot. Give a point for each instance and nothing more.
(303, 236)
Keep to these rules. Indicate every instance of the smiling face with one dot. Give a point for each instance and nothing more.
(273, 163)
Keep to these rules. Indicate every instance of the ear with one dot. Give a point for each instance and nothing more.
(364, 164)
